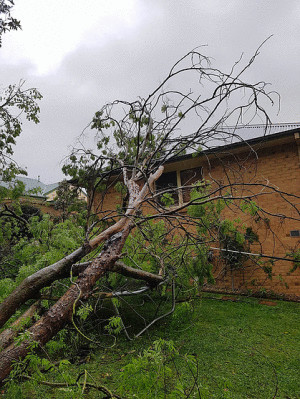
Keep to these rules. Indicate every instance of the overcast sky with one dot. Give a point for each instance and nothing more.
(82, 54)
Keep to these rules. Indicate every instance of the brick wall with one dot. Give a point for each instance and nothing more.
(279, 167)
(275, 164)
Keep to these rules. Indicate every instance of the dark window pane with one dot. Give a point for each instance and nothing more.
(168, 181)
(295, 233)
(189, 177)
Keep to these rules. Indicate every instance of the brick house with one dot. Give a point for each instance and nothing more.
(272, 160)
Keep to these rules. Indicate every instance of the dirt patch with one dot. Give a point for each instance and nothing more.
(229, 298)
(268, 303)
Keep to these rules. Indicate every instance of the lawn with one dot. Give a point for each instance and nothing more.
(237, 349)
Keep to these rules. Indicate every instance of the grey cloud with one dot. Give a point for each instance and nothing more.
(134, 64)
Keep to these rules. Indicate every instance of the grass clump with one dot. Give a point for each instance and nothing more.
(208, 348)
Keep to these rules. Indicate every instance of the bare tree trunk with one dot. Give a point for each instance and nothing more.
(61, 312)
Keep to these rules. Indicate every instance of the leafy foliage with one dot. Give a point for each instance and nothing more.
(15, 226)
(235, 243)
(156, 372)
(14, 100)
(231, 347)
(295, 255)
(46, 243)
(7, 22)
(67, 201)
(208, 215)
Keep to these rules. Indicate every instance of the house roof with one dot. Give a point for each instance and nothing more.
(50, 187)
(33, 187)
(263, 136)
(260, 130)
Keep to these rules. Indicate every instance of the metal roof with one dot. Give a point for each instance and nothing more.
(50, 187)
(249, 132)
(261, 129)
(40, 189)
(249, 135)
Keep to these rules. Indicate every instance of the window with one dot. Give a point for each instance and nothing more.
(181, 178)
(168, 181)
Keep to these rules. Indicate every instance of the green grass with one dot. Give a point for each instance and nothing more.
(243, 350)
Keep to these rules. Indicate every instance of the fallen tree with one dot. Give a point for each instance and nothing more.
(135, 140)
(60, 313)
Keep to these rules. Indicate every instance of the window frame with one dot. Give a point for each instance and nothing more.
(179, 187)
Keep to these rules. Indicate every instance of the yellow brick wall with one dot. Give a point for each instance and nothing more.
(277, 166)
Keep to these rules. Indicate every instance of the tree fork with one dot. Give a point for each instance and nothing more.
(31, 285)
(7, 336)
